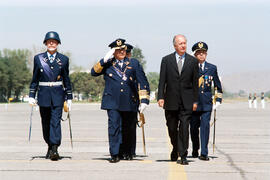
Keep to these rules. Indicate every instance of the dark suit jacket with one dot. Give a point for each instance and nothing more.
(176, 89)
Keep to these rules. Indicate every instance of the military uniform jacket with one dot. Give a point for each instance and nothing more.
(120, 92)
(176, 89)
(207, 76)
(57, 71)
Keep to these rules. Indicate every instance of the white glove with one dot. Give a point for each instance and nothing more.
(32, 101)
(142, 107)
(215, 106)
(109, 55)
(69, 103)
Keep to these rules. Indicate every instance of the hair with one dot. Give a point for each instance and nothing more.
(178, 35)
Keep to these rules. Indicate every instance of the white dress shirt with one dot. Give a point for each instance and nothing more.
(178, 58)
(49, 56)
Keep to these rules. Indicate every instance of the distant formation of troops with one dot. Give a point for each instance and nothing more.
(252, 101)
(186, 89)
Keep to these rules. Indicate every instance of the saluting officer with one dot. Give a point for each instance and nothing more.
(119, 95)
(201, 117)
(51, 80)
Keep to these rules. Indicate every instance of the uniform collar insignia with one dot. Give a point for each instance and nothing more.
(45, 59)
(58, 61)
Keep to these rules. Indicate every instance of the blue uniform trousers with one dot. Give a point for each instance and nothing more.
(51, 124)
(200, 119)
(121, 131)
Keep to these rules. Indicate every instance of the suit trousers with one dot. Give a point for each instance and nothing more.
(177, 122)
(128, 132)
(200, 119)
(51, 124)
(134, 135)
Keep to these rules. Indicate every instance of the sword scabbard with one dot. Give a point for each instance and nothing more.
(142, 120)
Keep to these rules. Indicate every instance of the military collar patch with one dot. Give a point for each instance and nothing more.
(127, 62)
(58, 61)
(45, 59)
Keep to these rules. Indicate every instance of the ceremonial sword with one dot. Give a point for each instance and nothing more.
(69, 122)
(142, 120)
(30, 127)
(214, 134)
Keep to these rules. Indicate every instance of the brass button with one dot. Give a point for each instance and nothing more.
(122, 83)
(202, 92)
(51, 67)
(121, 90)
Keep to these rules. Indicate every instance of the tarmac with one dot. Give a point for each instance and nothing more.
(242, 149)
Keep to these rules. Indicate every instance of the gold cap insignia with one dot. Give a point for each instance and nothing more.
(200, 45)
(119, 42)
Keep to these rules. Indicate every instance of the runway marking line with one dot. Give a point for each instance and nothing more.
(176, 171)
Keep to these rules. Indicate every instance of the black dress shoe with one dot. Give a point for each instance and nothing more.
(195, 154)
(114, 159)
(204, 158)
(126, 156)
(129, 157)
(54, 156)
(183, 161)
(48, 153)
(121, 156)
(174, 155)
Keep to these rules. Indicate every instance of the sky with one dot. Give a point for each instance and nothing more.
(237, 32)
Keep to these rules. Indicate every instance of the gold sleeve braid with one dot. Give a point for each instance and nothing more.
(98, 68)
(143, 94)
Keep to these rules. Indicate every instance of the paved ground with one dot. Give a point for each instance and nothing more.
(242, 152)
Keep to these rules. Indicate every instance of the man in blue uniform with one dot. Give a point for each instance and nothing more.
(119, 95)
(51, 80)
(134, 123)
(201, 117)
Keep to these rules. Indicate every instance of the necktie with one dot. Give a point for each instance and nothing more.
(51, 58)
(179, 64)
(201, 69)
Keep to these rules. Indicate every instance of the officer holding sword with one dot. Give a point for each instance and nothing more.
(51, 81)
(201, 117)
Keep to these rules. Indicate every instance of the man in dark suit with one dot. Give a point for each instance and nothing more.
(51, 80)
(201, 117)
(119, 99)
(178, 95)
